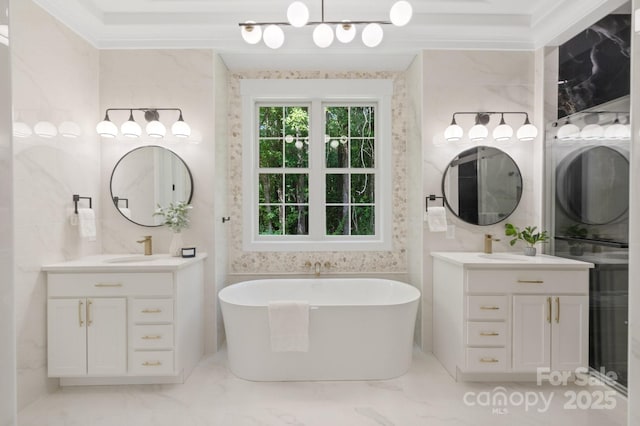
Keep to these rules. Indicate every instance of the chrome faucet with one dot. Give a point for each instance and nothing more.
(488, 243)
(147, 245)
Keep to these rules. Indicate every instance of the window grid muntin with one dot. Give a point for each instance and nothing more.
(350, 170)
(282, 169)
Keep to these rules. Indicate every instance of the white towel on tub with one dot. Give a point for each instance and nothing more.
(289, 325)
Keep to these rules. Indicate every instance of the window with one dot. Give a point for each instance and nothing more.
(316, 165)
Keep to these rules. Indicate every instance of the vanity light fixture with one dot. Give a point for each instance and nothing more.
(154, 128)
(479, 132)
(45, 129)
(323, 34)
(593, 130)
(69, 129)
(21, 129)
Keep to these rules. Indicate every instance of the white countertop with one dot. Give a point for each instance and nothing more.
(124, 263)
(476, 260)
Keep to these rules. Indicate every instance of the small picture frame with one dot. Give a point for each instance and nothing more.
(188, 252)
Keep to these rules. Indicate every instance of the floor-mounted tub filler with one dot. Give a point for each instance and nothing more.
(358, 328)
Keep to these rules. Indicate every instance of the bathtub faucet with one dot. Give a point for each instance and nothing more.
(316, 267)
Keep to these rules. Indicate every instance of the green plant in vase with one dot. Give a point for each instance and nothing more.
(528, 235)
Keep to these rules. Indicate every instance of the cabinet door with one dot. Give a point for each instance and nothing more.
(107, 336)
(570, 332)
(67, 337)
(531, 332)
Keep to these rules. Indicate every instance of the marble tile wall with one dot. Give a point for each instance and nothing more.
(394, 261)
(171, 79)
(474, 81)
(55, 78)
(7, 322)
(634, 233)
(221, 192)
(415, 208)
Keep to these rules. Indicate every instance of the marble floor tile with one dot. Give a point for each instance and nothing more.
(426, 395)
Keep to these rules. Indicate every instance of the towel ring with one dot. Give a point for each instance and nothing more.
(76, 199)
(432, 197)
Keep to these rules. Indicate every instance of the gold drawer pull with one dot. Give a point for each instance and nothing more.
(151, 311)
(80, 305)
(490, 308)
(152, 337)
(489, 333)
(531, 281)
(108, 285)
(151, 363)
(489, 360)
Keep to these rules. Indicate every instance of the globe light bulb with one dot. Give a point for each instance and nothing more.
(298, 14)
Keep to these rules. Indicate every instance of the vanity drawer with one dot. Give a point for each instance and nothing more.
(495, 307)
(152, 336)
(486, 334)
(110, 284)
(152, 363)
(486, 359)
(527, 281)
(152, 310)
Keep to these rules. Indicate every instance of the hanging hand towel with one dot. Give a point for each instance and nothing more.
(289, 326)
(87, 222)
(437, 219)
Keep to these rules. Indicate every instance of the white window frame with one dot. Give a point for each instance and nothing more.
(317, 94)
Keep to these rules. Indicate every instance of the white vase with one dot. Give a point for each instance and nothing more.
(175, 248)
(529, 251)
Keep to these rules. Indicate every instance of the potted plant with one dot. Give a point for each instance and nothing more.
(528, 235)
(576, 231)
(176, 218)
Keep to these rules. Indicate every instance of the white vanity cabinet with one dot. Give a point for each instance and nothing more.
(505, 315)
(117, 322)
(90, 336)
(550, 331)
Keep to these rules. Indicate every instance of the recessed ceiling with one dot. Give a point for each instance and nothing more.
(436, 24)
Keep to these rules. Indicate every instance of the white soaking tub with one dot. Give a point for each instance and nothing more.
(359, 328)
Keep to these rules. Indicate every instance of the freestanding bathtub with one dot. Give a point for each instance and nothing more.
(359, 329)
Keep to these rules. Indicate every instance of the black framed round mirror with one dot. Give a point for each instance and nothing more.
(592, 185)
(482, 185)
(148, 177)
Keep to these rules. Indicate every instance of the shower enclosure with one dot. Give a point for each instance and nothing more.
(588, 182)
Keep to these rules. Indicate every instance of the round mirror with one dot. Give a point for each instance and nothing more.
(592, 185)
(482, 185)
(148, 177)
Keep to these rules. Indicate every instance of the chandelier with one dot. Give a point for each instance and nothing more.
(323, 34)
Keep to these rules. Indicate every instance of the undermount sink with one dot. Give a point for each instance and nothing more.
(505, 257)
(134, 259)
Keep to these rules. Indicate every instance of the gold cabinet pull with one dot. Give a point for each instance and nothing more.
(152, 337)
(489, 333)
(108, 285)
(151, 311)
(557, 310)
(152, 363)
(531, 281)
(489, 360)
(89, 320)
(80, 319)
(549, 310)
(489, 308)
